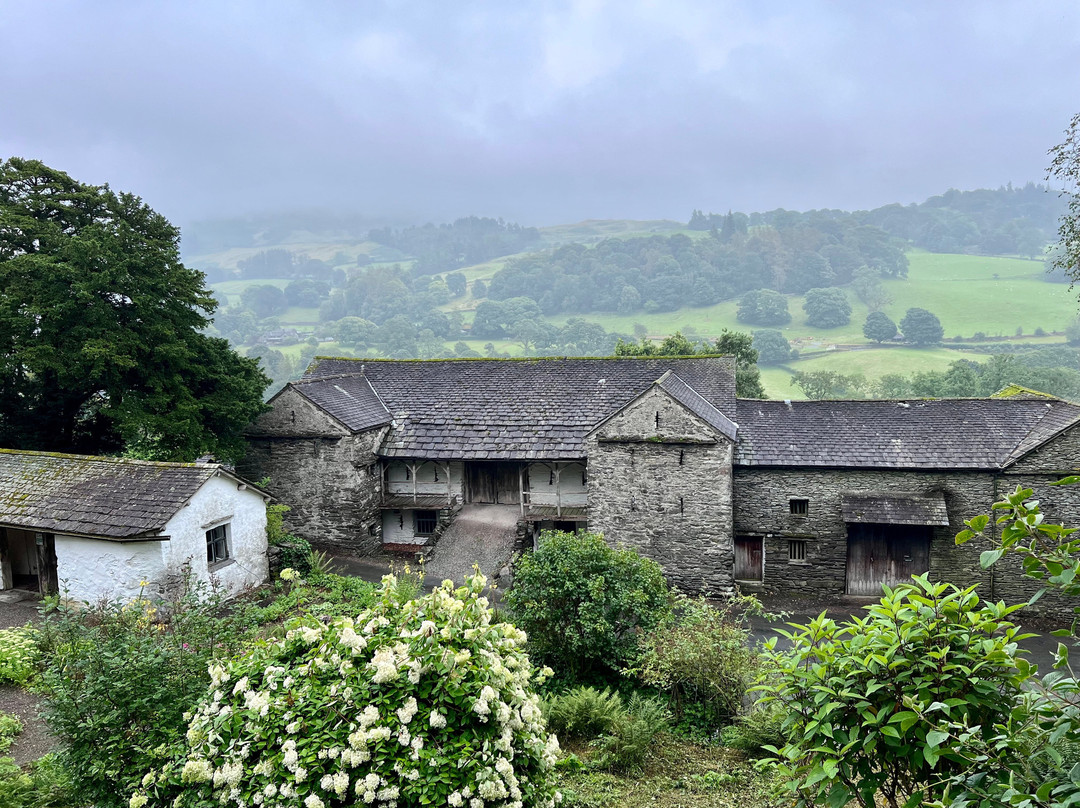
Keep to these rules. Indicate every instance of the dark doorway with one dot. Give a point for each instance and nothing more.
(46, 563)
(493, 483)
(749, 558)
(885, 554)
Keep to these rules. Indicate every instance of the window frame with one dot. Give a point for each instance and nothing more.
(797, 551)
(432, 520)
(799, 506)
(213, 542)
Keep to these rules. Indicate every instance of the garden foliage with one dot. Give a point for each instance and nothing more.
(426, 702)
(10, 727)
(864, 697)
(18, 655)
(700, 655)
(117, 680)
(584, 604)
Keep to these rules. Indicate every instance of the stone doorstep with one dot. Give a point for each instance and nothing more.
(17, 595)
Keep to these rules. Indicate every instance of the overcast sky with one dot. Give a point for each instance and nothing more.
(539, 112)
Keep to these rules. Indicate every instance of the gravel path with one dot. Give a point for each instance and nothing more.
(480, 534)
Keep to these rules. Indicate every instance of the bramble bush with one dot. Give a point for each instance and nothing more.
(18, 655)
(585, 605)
(426, 702)
(859, 695)
(117, 680)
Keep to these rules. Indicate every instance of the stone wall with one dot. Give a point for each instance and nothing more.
(659, 481)
(331, 485)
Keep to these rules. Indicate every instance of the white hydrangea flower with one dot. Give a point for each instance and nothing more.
(313, 801)
(437, 720)
(240, 686)
(454, 800)
(138, 800)
(405, 714)
(197, 770)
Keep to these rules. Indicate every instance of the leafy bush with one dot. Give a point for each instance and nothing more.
(861, 696)
(43, 784)
(422, 703)
(584, 604)
(583, 712)
(321, 595)
(628, 743)
(10, 727)
(117, 682)
(296, 554)
(700, 655)
(18, 655)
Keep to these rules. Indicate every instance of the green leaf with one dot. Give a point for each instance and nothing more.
(988, 558)
(936, 737)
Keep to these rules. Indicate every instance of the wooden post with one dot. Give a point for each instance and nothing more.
(558, 490)
(449, 490)
(413, 467)
(521, 486)
(7, 579)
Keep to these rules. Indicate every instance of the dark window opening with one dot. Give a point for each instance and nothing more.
(681, 505)
(425, 522)
(217, 544)
(796, 550)
(799, 507)
(658, 419)
(680, 457)
(566, 527)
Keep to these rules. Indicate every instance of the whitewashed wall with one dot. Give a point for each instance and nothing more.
(396, 482)
(542, 490)
(92, 570)
(220, 500)
(398, 528)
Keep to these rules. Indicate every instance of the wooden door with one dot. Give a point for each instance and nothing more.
(885, 554)
(48, 582)
(481, 482)
(507, 484)
(749, 558)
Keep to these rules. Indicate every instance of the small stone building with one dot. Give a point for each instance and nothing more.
(94, 528)
(813, 497)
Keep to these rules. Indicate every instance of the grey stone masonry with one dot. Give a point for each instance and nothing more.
(762, 508)
(660, 483)
(329, 478)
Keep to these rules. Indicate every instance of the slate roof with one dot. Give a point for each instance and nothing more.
(696, 403)
(349, 398)
(924, 434)
(477, 409)
(895, 509)
(100, 497)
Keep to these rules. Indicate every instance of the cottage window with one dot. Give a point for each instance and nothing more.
(217, 544)
(799, 507)
(796, 550)
(424, 522)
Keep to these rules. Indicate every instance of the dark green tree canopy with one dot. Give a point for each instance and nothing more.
(763, 307)
(827, 308)
(921, 327)
(772, 347)
(101, 324)
(878, 327)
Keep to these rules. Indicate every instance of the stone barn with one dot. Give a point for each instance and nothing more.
(814, 497)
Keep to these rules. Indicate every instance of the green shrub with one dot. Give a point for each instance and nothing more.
(426, 702)
(295, 554)
(584, 604)
(10, 727)
(18, 655)
(861, 697)
(321, 595)
(629, 742)
(117, 682)
(583, 712)
(700, 655)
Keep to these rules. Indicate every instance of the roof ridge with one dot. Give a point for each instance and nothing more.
(506, 359)
(128, 461)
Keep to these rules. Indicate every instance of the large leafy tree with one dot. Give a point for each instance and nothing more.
(1065, 169)
(922, 327)
(101, 343)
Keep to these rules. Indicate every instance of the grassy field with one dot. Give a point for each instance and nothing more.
(872, 363)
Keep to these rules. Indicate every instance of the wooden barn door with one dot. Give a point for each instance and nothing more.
(481, 482)
(508, 484)
(749, 558)
(885, 554)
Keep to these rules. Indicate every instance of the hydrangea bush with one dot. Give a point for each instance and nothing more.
(426, 702)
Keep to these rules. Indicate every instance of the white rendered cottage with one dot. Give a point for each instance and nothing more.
(95, 528)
